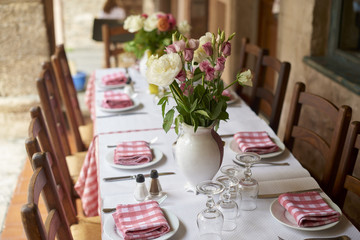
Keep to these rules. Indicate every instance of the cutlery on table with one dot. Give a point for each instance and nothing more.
(275, 195)
(268, 163)
(152, 141)
(110, 210)
(122, 178)
(120, 114)
(226, 135)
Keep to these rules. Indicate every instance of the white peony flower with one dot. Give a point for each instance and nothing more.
(133, 23)
(162, 71)
(151, 23)
(206, 38)
(184, 27)
(200, 55)
(245, 78)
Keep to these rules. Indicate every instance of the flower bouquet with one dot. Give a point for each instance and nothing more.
(192, 70)
(152, 32)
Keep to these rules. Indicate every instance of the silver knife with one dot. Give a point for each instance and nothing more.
(122, 178)
(275, 195)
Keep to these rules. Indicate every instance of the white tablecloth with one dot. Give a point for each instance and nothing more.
(257, 224)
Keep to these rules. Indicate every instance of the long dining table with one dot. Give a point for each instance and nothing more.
(144, 122)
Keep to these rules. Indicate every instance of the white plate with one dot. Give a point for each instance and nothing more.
(102, 86)
(111, 231)
(135, 101)
(234, 98)
(157, 156)
(235, 147)
(285, 218)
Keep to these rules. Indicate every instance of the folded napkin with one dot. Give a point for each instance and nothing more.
(114, 79)
(116, 100)
(257, 142)
(309, 209)
(141, 220)
(132, 153)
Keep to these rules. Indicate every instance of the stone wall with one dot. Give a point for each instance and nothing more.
(24, 46)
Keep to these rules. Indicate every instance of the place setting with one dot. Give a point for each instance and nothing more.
(114, 80)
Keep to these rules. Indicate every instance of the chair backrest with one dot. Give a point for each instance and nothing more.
(39, 140)
(97, 30)
(51, 104)
(249, 50)
(330, 148)
(273, 97)
(68, 94)
(344, 179)
(112, 49)
(42, 181)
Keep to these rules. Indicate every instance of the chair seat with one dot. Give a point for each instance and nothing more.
(86, 133)
(88, 228)
(75, 163)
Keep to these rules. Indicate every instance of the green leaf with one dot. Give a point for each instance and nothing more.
(217, 109)
(194, 105)
(162, 100)
(168, 120)
(203, 113)
(163, 106)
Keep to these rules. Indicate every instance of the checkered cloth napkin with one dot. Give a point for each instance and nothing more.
(114, 79)
(141, 220)
(116, 100)
(257, 142)
(309, 209)
(132, 153)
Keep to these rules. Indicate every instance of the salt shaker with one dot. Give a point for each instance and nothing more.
(140, 190)
(155, 187)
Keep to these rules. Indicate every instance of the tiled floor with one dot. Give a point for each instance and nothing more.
(15, 176)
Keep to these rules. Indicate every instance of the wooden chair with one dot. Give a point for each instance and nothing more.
(57, 224)
(274, 98)
(253, 51)
(329, 148)
(344, 180)
(82, 133)
(112, 49)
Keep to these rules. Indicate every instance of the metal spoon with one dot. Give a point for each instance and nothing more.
(152, 141)
(268, 163)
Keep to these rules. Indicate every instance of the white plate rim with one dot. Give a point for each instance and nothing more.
(136, 103)
(109, 226)
(158, 155)
(235, 148)
(100, 85)
(276, 209)
(234, 99)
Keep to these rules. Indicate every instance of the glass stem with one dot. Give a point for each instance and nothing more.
(210, 202)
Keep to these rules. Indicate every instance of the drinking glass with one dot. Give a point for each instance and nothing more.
(226, 205)
(232, 170)
(210, 220)
(249, 187)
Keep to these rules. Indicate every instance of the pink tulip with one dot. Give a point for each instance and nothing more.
(193, 44)
(220, 64)
(208, 69)
(179, 45)
(226, 49)
(208, 48)
(181, 76)
(188, 54)
(170, 49)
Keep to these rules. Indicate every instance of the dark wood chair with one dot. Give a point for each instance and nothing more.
(82, 133)
(112, 48)
(57, 224)
(345, 181)
(329, 148)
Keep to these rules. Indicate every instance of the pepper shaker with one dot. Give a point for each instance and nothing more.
(155, 187)
(140, 190)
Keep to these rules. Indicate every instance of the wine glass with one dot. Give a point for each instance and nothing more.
(232, 170)
(210, 220)
(226, 205)
(249, 187)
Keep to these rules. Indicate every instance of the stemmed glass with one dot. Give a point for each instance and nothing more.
(232, 170)
(210, 220)
(226, 205)
(249, 187)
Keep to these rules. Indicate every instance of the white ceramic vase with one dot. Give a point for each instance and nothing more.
(198, 154)
(142, 63)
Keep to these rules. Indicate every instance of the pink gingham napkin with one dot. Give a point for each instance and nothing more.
(141, 220)
(309, 209)
(257, 142)
(114, 79)
(116, 100)
(132, 153)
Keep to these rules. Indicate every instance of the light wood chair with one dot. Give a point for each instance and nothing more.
(82, 133)
(329, 148)
(345, 181)
(57, 224)
(112, 49)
